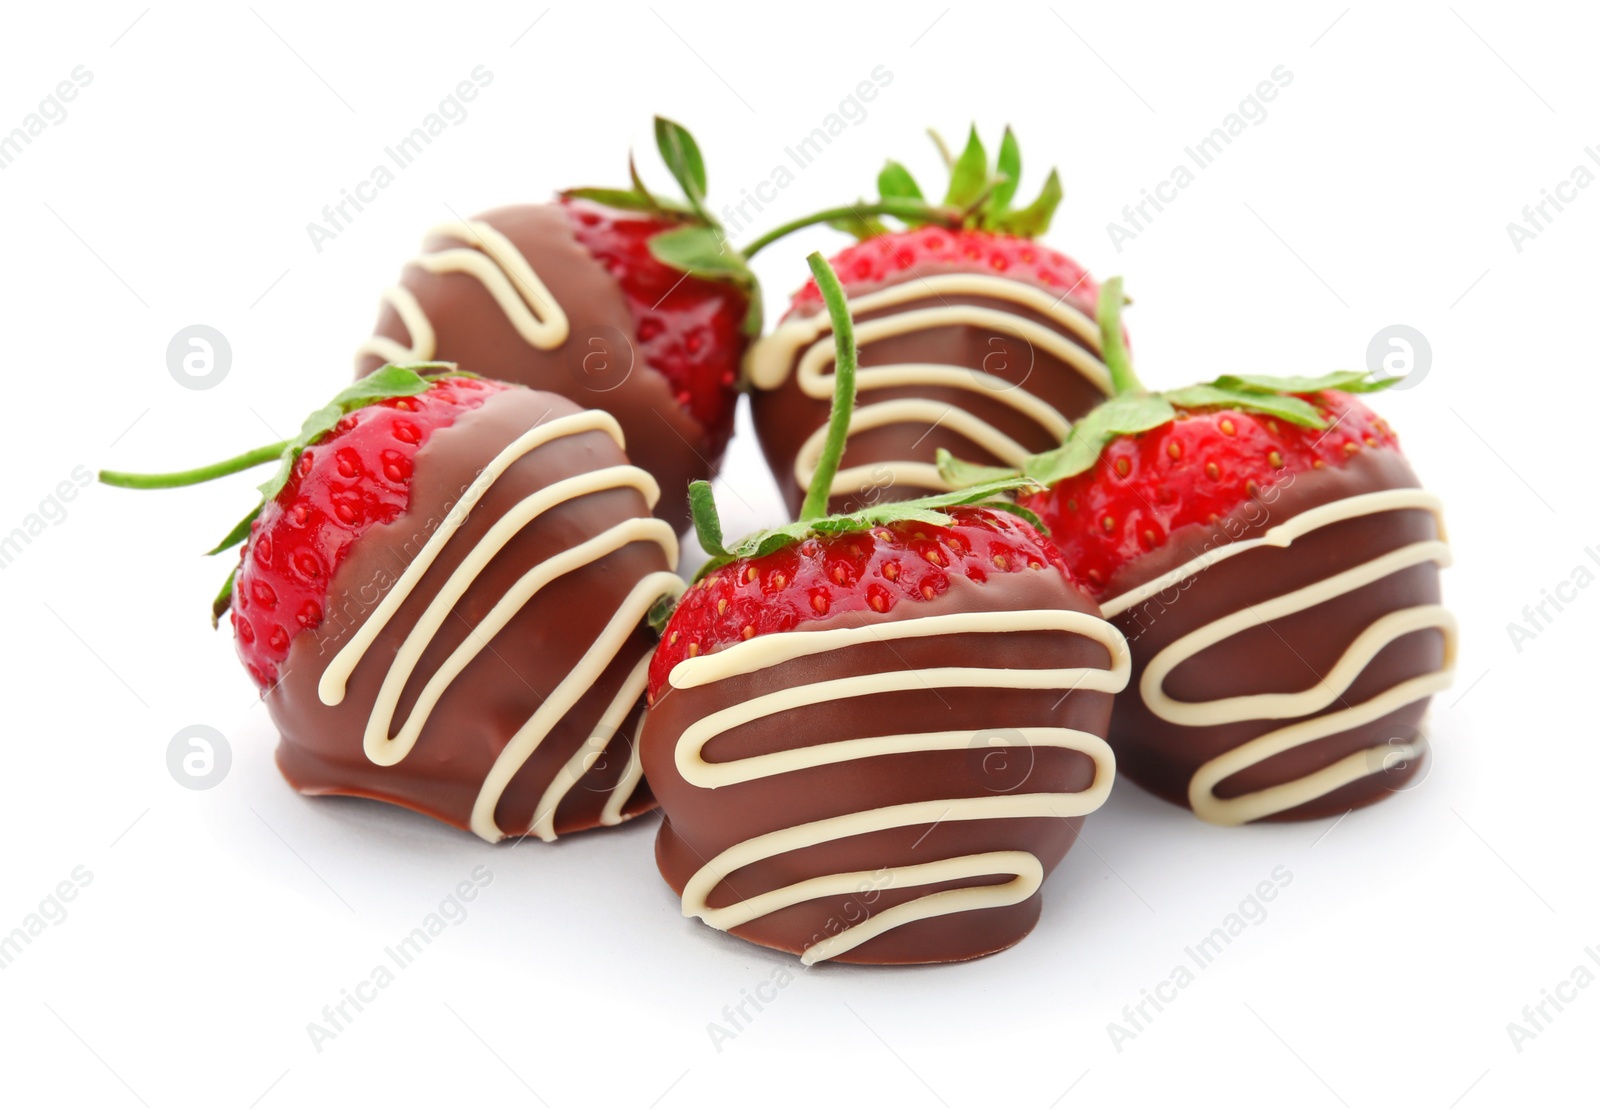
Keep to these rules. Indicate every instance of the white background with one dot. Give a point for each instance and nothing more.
(220, 923)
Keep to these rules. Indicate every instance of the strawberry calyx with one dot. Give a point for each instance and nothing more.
(387, 383)
(887, 570)
(979, 197)
(696, 243)
(814, 520)
(1133, 409)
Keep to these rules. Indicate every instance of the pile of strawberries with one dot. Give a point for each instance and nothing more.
(1132, 472)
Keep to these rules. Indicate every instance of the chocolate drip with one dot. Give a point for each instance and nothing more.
(597, 365)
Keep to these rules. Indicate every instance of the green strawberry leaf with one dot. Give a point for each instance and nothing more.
(857, 224)
(1292, 408)
(707, 524)
(965, 474)
(755, 317)
(1008, 169)
(1078, 454)
(699, 250)
(703, 251)
(683, 159)
(969, 176)
(870, 517)
(240, 532)
(923, 510)
(1363, 381)
(661, 612)
(388, 382)
(1020, 512)
(610, 196)
(1130, 415)
(894, 181)
(224, 599)
(634, 177)
(635, 201)
(1035, 218)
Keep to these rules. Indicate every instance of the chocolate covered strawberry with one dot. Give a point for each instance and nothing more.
(874, 733)
(617, 298)
(1274, 563)
(441, 595)
(974, 336)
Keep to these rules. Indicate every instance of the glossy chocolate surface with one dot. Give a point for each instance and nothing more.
(703, 822)
(321, 751)
(596, 366)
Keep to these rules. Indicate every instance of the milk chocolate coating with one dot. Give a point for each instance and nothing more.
(701, 822)
(1291, 654)
(786, 416)
(473, 332)
(321, 749)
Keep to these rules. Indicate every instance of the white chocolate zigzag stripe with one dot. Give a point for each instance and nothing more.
(504, 272)
(1361, 651)
(383, 749)
(1023, 867)
(1077, 344)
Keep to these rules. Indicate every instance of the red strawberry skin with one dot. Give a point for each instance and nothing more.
(870, 570)
(688, 329)
(893, 257)
(1196, 470)
(986, 562)
(656, 348)
(356, 476)
(949, 415)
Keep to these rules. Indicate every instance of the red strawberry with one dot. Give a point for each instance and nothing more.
(1197, 468)
(355, 476)
(860, 722)
(349, 470)
(429, 544)
(975, 336)
(689, 329)
(890, 257)
(1273, 562)
(825, 578)
(617, 298)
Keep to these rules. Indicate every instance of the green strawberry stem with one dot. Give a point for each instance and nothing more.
(979, 197)
(904, 208)
(1109, 315)
(814, 516)
(237, 464)
(387, 383)
(844, 389)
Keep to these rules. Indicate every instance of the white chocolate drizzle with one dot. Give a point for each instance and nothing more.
(490, 258)
(1332, 687)
(383, 749)
(1023, 867)
(1076, 343)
